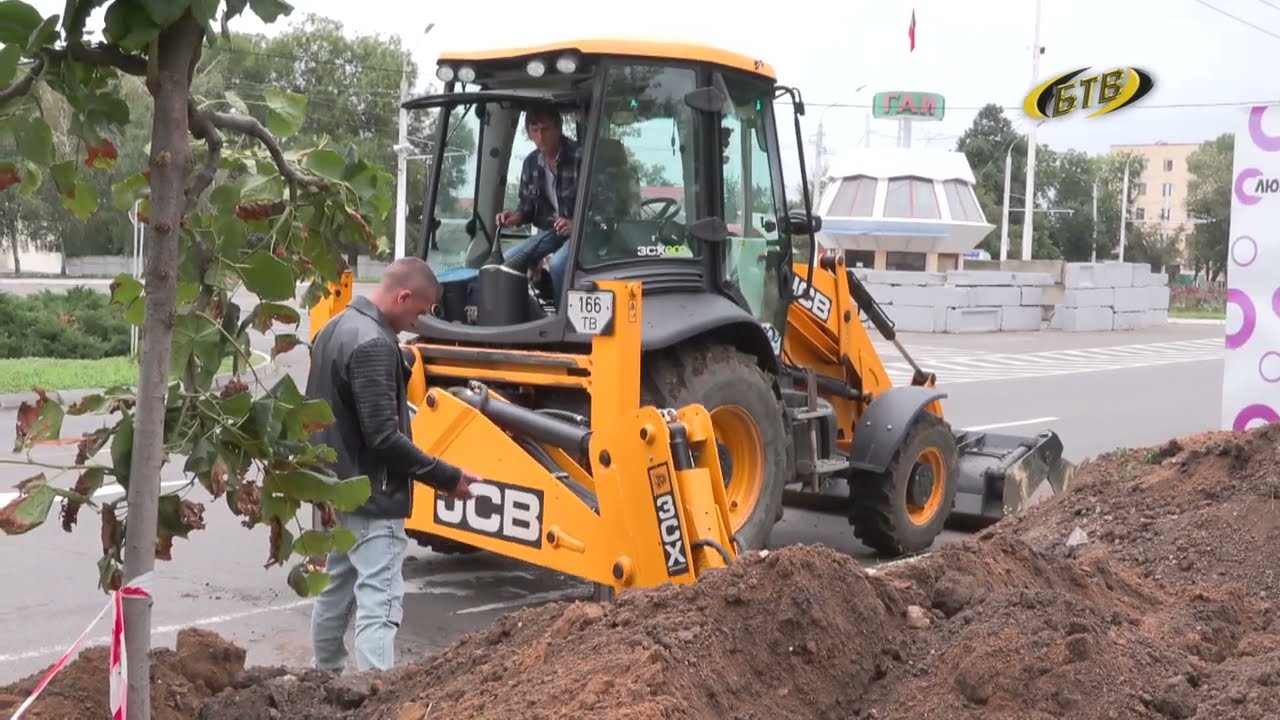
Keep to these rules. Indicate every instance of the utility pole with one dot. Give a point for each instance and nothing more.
(1004, 222)
(1124, 206)
(1093, 250)
(1031, 147)
(402, 157)
(402, 162)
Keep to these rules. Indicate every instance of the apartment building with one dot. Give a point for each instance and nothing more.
(1161, 202)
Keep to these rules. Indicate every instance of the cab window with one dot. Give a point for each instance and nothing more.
(643, 188)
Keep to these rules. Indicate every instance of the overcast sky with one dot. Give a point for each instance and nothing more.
(971, 52)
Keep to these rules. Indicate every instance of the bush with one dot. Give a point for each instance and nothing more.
(1192, 298)
(80, 323)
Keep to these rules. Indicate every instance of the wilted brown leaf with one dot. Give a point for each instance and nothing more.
(110, 529)
(192, 515)
(164, 546)
(218, 478)
(276, 548)
(248, 503)
(91, 443)
(328, 516)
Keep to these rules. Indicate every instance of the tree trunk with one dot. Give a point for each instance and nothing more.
(17, 254)
(170, 164)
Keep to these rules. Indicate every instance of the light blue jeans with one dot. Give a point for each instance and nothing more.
(368, 582)
(536, 248)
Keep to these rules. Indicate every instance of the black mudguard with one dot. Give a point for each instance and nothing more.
(671, 318)
(885, 424)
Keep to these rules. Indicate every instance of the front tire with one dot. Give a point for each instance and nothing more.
(749, 423)
(902, 510)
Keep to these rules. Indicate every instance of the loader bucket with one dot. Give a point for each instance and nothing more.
(1001, 474)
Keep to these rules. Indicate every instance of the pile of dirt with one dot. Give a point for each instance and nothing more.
(200, 665)
(1145, 592)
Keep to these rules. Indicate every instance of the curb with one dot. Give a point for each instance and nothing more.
(1196, 321)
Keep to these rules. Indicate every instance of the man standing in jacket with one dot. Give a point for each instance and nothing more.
(356, 366)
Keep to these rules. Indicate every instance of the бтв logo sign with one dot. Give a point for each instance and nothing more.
(1074, 91)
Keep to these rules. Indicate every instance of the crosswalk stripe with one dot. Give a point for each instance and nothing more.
(961, 365)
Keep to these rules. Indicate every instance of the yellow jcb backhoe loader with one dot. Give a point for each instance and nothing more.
(685, 283)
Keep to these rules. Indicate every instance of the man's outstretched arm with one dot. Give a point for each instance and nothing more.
(373, 371)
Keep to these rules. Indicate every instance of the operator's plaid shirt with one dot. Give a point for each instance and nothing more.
(535, 206)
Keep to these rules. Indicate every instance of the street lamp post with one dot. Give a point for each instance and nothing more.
(1124, 206)
(1031, 146)
(1008, 181)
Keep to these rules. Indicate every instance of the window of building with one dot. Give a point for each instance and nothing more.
(1166, 213)
(911, 197)
(860, 258)
(1168, 166)
(1142, 189)
(913, 261)
(856, 197)
(1140, 214)
(1166, 190)
(961, 201)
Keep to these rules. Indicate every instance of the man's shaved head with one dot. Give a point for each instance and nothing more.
(408, 289)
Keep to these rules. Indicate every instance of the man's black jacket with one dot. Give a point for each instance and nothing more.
(356, 366)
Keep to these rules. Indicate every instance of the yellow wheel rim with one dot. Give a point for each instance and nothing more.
(739, 438)
(929, 460)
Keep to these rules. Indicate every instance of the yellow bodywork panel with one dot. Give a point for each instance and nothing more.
(661, 50)
(659, 500)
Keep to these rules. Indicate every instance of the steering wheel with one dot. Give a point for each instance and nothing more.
(668, 210)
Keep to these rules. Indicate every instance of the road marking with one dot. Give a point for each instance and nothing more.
(959, 365)
(104, 491)
(1015, 423)
(536, 597)
(162, 630)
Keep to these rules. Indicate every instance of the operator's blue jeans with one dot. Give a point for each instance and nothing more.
(536, 248)
(367, 582)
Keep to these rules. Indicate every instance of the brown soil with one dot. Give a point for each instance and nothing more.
(1161, 606)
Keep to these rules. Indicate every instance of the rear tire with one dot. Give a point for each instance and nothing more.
(884, 514)
(750, 427)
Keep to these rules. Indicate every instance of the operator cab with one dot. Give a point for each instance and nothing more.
(658, 125)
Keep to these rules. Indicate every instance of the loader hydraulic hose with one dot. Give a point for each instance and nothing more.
(522, 421)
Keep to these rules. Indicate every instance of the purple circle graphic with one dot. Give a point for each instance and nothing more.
(1275, 301)
(1244, 176)
(1270, 143)
(1257, 411)
(1242, 301)
(1263, 373)
(1242, 242)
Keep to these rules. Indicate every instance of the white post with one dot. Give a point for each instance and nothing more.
(1093, 250)
(1124, 207)
(138, 240)
(402, 175)
(1004, 222)
(1030, 200)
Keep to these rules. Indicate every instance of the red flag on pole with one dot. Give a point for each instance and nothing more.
(911, 31)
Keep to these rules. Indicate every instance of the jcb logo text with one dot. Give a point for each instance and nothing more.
(506, 512)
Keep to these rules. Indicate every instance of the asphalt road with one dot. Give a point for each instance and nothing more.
(1097, 400)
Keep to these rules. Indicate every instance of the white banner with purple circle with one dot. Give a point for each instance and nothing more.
(1251, 371)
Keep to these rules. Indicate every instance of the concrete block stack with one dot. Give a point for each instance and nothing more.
(960, 301)
(1100, 297)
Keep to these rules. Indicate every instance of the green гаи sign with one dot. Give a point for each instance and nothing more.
(904, 104)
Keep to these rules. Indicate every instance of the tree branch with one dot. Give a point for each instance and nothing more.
(249, 125)
(23, 86)
(101, 54)
(202, 128)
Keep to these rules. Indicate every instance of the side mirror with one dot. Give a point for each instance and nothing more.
(798, 223)
(705, 99)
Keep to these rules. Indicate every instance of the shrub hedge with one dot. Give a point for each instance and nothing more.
(80, 323)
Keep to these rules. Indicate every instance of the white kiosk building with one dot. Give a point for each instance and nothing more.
(901, 209)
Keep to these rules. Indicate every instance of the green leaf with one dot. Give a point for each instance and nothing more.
(43, 35)
(17, 21)
(268, 277)
(286, 111)
(343, 540)
(267, 313)
(306, 581)
(125, 192)
(236, 102)
(261, 187)
(325, 163)
(35, 140)
(270, 10)
(38, 422)
(198, 341)
(64, 176)
(126, 290)
(9, 57)
(164, 12)
(311, 486)
(313, 542)
(128, 24)
(31, 179)
(30, 508)
(82, 203)
(224, 197)
(311, 417)
(122, 450)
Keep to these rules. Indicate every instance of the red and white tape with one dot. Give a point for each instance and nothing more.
(118, 669)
